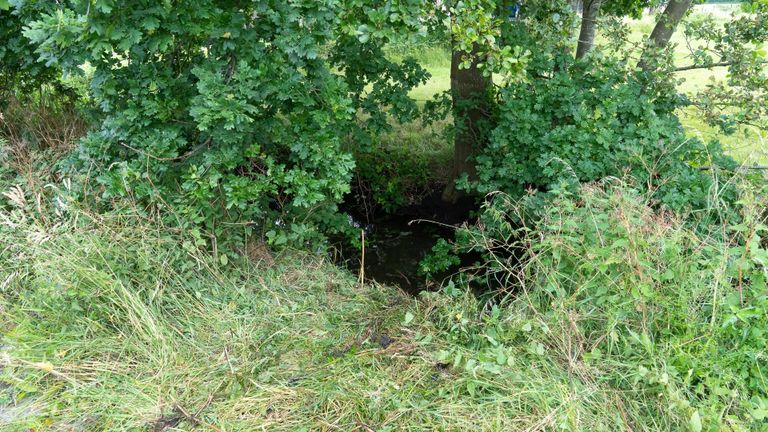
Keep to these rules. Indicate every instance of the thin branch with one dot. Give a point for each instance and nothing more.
(708, 66)
(170, 159)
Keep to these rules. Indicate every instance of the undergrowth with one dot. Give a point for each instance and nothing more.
(628, 298)
(622, 319)
(402, 168)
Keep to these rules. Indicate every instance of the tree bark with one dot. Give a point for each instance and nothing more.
(577, 5)
(665, 28)
(588, 27)
(469, 92)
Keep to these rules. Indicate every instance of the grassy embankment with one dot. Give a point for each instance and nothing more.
(114, 322)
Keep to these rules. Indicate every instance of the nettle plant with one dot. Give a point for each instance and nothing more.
(233, 112)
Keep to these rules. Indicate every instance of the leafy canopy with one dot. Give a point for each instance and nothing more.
(233, 111)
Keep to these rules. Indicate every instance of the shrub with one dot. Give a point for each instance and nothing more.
(19, 69)
(595, 121)
(232, 113)
(631, 298)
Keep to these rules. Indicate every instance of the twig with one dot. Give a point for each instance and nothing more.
(707, 66)
(195, 418)
(170, 159)
(362, 258)
(205, 405)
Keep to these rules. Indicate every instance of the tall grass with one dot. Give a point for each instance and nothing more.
(113, 322)
(118, 326)
(41, 124)
(34, 134)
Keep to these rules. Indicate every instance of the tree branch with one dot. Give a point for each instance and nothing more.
(720, 64)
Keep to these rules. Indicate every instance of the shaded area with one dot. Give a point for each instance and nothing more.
(396, 243)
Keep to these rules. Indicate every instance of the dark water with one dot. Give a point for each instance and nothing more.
(394, 247)
(396, 244)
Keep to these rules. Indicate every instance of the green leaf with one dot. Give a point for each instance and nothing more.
(363, 33)
(408, 318)
(5, 5)
(472, 388)
(760, 414)
(695, 422)
(501, 358)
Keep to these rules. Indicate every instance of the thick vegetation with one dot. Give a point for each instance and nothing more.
(624, 320)
(228, 112)
(171, 173)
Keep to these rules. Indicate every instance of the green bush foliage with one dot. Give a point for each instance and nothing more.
(594, 121)
(607, 114)
(636, 300)
(392, 178)
(232, 113)
(19, 69)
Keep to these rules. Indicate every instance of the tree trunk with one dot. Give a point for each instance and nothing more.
(577, 5)
(469, 91)
(665, 28)
(588, 27)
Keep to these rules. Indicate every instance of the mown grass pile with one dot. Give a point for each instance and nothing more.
(622, 319)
